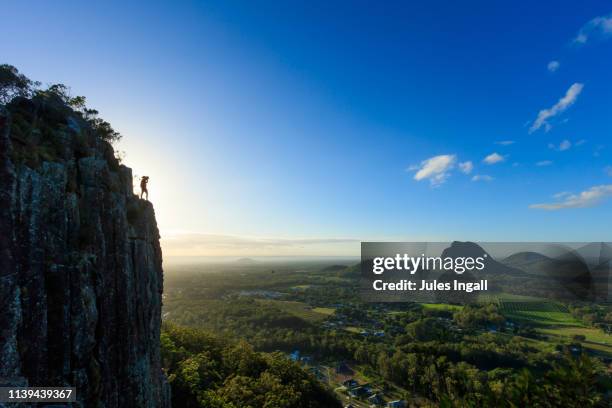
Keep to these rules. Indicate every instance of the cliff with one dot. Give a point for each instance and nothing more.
(80, 262)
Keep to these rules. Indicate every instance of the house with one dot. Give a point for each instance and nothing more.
(295, 356)
(376, 400)
(575, 349)
(358, 392)
(396, 404)
(351, 383)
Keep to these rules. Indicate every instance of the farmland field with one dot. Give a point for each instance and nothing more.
(324, 310)
(507, 297)
(441, 306)
(552, 319)
(542, 313)
(299, 309)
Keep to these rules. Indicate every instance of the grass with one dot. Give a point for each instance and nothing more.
(537, 312)
(598, 348)
(441, 306)
(507, 297)
(328, 311)
(543, 318)
(353, 329)
(553, 319)
(300, 309)
(592, 334)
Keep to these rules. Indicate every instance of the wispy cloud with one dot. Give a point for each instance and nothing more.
(493, 158)
(505, 142)
(599, 28)
(560, 195)
(553, 66)
(587, 198)
(435, 169)
(608, 170)
(466, 167)
(543, 163)
(564, 145)
(565, 102)
(482, 177)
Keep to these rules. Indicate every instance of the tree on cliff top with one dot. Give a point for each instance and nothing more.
(13, 84)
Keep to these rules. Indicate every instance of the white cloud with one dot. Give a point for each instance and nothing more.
(565, 102)
(587, 198)
(580, 142)
(564, 145)
(553, 66)
(482, 177)
(598, 28)
(466, 167)
(435, 169)
(493, 158)
(544, 163)
(580, 38)
(562, 194)
(505, 142)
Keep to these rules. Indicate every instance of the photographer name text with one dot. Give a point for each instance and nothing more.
(424, 285)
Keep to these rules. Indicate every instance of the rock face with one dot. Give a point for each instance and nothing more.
(80, 263)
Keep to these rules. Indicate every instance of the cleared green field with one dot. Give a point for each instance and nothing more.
(543, 318)
(592, 334)
(441, 306)
(598, 348)
(532, 306)
(299, 309)
(534, 311)
(500, 297)
(301, 287)
(553, 319)
(542, 313)
(328, 311)
(353, 329)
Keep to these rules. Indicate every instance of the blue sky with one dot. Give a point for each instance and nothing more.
(304, 127)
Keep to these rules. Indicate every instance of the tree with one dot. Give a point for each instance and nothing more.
(13, 84)
(63, 92)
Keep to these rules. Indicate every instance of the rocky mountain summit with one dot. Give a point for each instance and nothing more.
(80, 261)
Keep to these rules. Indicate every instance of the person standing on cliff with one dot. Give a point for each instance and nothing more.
(143, 187)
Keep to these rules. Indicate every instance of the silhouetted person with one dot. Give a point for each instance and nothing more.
(143, 187)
